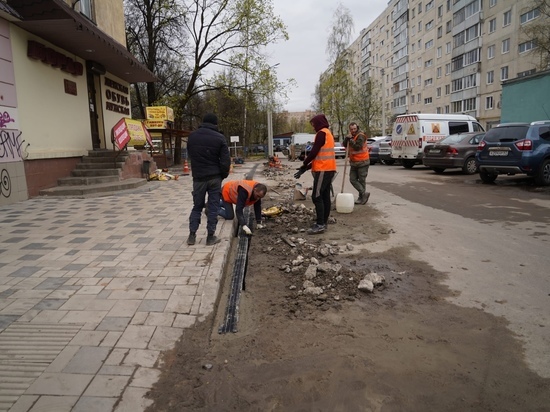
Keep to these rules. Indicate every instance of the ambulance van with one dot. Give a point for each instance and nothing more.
(412, 132)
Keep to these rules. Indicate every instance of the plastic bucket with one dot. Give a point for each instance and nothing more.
(344, 202)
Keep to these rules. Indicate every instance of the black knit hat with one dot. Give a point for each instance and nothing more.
(210, 118)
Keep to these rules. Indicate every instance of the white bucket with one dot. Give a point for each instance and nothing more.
(344, 202)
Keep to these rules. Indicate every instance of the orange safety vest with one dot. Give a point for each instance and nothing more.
(361, 154)
(325, 161)
(230, 191)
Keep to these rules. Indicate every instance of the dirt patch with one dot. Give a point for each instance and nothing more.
(401, 348)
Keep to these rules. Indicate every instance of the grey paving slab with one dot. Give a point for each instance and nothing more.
(62, 384)
(94, 404)
(87, 360)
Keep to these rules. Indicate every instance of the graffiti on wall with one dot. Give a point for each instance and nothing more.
(10, 145)
(5, 183)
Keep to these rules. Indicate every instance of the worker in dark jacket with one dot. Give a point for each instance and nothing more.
(242, 193)
(210, 163)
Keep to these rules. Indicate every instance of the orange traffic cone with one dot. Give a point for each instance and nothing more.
(185, 168)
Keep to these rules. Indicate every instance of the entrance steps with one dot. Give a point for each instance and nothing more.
(99, 174)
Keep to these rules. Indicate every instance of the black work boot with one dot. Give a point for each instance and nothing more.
(191, 239)
(359, 200)
(365, 198)
(212, 240)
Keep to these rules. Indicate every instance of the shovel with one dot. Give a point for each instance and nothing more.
(344, 201)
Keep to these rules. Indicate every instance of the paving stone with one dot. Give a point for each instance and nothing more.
(184, 321)
(94, 404)
(160, 319)
(179, 304)
(24, 403)
(145, 377)
(87, 316)
(101, 304)
(124, 308)
(50, 304)
(51, 283)
(133, 400)
(65, 384)
(6, 320)
(25, 271)
(107, 385)
(136, 337)
(87, 360)
(117, 370)
(63, 359)
(54, 403)
(158, 294)
(141, 357)
(152, 305)
(50, 316)
(88, 338)
(114, 323)
(165, 338)
(77, 302)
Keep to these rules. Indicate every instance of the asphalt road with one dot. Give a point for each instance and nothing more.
(493, 241)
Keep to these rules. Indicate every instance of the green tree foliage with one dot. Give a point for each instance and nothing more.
(367, 106)
(538, 30)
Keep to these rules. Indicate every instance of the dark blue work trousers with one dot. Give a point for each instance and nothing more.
(213, 188)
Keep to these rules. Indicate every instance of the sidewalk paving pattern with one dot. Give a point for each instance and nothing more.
(92, 290)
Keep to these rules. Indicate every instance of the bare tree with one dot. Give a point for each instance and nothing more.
(336, 90)
(367, 105)
(538, 30)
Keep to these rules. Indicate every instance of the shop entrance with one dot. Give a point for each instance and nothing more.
(93, 70)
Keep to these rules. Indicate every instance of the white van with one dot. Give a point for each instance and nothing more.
(412, 132)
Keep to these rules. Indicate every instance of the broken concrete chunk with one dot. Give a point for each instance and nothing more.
(323, 251)
(311, 272)
(375, 278)
(349, 246)
(329, 267)
(313, 290)
(366, 286)
(298, 261)
(314, 261)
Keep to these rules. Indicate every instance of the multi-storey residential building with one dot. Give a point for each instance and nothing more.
(65, 77)
(448, 56)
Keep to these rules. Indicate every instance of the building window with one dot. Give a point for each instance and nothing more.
(86, 8)
(490, 77)
(489, 102)
(429, 25)
(429, 63)
(439, 72)
(505, 46)
(448, 26)
(419, 97)
(430, 5)
(439, 52)
(447, 69)
(492, 3)
(429, 44)
(447, 89)
(470, 104)
(491, 52)
(440, 11)
(528, 45)
(447, 108)
(428, 100)
(438, 92)
(448, 48)
(428, 82)
(507, 18)
(440, 32)
(530, 15)
(504, 73)
(492, 25)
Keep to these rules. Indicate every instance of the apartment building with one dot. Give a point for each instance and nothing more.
(447, 56)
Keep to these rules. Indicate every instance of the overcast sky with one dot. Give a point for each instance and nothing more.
(303, 57)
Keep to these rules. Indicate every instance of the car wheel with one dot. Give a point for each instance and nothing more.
(408, 164)
(470, 166)
(487, 177)
(542, 178)
(388, 162)
(438, 169)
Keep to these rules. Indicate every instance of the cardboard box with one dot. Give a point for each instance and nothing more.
(160, 113)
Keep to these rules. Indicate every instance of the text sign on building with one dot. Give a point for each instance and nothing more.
(117, 100)
(159, 113)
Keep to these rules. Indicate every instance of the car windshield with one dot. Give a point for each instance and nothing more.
(506, 133)
(454, 138)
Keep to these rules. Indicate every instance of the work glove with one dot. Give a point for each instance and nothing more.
(247, 230)
(300, 172)
(260, 226)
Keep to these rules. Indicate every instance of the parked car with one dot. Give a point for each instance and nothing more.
(454, 151)
(339, 151)
(516, 148)
(373, 144)
(384, 151)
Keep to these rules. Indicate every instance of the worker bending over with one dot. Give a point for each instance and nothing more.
(242, 193)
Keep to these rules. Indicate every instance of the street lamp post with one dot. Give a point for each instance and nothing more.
(270, 121)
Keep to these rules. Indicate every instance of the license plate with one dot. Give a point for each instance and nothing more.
(498, 153)
(435, 151)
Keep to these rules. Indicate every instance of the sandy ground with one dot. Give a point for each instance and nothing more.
(401, 348)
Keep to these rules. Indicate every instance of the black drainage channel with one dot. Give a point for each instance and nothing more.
(239, 273)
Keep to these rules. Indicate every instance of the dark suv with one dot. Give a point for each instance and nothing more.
(516, 148)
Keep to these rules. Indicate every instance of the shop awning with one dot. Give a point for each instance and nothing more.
(56, 22)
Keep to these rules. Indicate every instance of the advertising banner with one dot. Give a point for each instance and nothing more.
(132, 132)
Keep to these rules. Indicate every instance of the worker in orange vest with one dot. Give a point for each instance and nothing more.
(322, 162)
(242, 193)
(359, 162)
